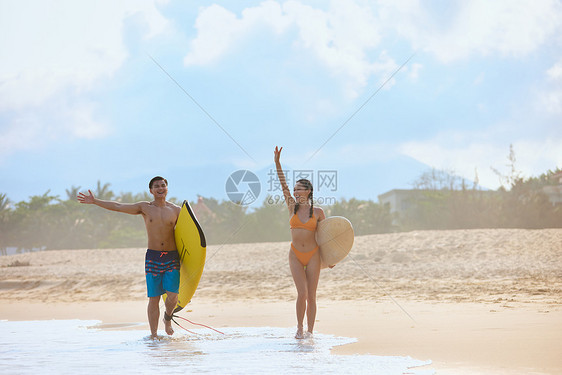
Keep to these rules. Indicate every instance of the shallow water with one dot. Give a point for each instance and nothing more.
(87, 347)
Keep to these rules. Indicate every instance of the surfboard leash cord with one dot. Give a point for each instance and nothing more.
(189, 321)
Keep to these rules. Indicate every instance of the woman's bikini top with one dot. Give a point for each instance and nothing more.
(310, 225)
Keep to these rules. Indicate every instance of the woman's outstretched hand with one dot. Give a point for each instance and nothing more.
(277, 154)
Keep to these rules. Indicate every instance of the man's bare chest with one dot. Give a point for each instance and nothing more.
(160, 216)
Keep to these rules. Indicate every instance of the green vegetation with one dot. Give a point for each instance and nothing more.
(49, 222)
(444, 202)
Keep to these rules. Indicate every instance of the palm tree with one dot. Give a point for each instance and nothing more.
(4, 203)
(72, 193)
(103, 192)
(4, 209)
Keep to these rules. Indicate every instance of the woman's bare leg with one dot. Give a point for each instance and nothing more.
(299, 277)
(312, 277)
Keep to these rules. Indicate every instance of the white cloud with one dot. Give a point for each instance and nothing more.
(480, 79)
(479, 27)
(49, 46)
(21, 134)
(80, 122)
(463, 160)
(465, 152)
(55, 122)
(415, 71)
(52, 52)
(350, 154)
(555, 72)
(220, 30)
(549, 98)
(551, 101)
(339, 38)
(346, 36)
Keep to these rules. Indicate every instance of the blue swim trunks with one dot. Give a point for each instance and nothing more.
(162, 269)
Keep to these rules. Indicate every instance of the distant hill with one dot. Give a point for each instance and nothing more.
(361, 182)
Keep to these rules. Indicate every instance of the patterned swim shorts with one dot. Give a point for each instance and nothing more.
(162, 269)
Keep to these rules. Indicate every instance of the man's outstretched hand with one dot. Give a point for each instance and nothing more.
(86, 199)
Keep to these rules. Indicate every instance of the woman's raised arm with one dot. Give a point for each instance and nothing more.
(286, 192)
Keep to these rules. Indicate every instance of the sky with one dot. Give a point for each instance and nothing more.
(371, 92)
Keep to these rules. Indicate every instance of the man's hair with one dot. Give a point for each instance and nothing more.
(157, 178)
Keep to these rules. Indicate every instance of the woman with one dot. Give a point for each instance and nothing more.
(304, 257)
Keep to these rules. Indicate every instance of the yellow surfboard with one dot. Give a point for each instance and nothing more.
(192, 250)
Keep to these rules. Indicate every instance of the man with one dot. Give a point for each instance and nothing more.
(162, 260)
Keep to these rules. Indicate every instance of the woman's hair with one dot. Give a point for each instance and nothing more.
(308, 186)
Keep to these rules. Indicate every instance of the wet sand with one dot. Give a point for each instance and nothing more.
(472, 301)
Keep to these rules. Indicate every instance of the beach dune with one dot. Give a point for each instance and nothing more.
(472, 301)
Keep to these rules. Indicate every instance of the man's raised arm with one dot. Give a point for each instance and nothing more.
(128, 208)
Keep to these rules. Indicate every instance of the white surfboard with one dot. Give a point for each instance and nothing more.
(334, 236)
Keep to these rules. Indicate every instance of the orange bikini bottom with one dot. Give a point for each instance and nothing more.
(304, 258)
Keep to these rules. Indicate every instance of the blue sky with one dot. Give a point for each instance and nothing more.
(82, 100)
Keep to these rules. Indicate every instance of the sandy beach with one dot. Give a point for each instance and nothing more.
(472, 301)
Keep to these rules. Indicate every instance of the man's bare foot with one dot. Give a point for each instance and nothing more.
(168, 327)
(299, 335)
(308, 335)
